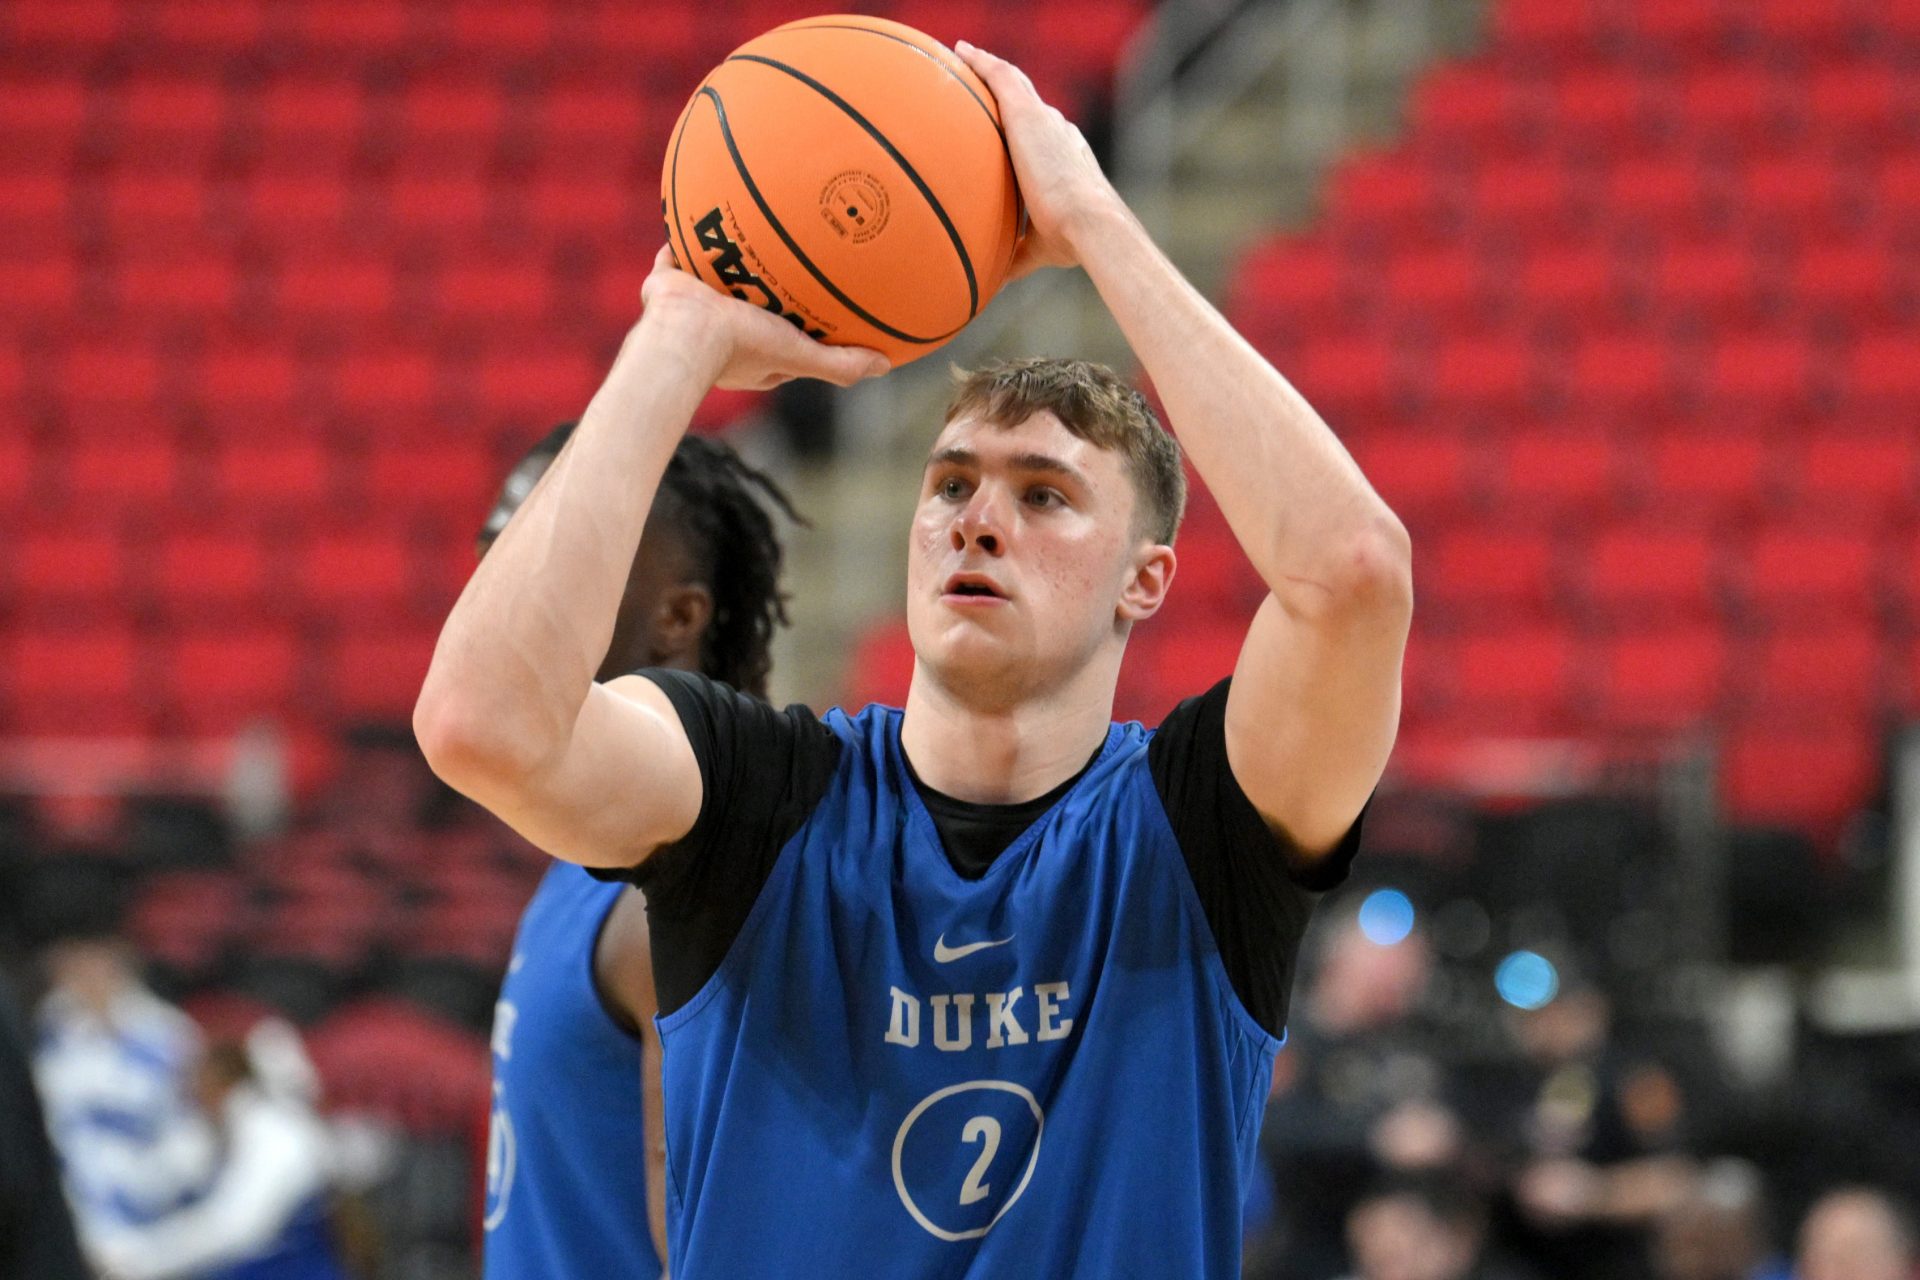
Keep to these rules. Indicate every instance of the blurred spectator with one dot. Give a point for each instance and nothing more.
(1718, 1230)
(1421, 1227)
(36, 1228)
(112, 1062)
(1358, 1089)
(1857, 1233)
(1598, 1141)
(265, 1215)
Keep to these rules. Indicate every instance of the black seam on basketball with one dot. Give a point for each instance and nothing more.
(953, 233)
(888, 35)
(691, 263)
(726, 135)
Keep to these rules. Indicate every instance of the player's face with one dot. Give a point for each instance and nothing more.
(1024, 560)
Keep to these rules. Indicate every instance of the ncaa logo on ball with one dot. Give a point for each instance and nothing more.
(855, 206)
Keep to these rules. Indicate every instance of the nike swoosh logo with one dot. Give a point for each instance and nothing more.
(942, 953)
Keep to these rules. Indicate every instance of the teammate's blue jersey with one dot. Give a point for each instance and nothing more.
(566, 1154)
(900, 1072)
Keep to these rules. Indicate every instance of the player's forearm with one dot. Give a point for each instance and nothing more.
(1313, 527)
(520, 649)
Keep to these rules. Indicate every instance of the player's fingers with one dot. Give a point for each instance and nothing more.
(1001, 76)
(844, 366)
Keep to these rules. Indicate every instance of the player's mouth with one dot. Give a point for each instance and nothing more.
(972, 590)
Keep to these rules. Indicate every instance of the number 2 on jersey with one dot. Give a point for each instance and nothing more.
(978, 1128)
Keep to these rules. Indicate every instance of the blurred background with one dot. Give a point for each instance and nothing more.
(1615, 301)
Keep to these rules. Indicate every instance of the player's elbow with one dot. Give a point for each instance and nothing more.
(1366, 574)
(466, 744)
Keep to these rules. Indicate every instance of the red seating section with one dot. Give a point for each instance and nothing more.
(289, 285)
(1625, 330)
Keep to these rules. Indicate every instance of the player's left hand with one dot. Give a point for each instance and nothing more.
(1060, 180)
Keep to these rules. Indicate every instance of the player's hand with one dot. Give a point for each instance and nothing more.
(1060, 180)
(748, 347)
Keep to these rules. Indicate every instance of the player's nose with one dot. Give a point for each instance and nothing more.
(980, 523)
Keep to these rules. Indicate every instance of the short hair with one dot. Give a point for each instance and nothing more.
(717, 505)
(1444, 1194)
(1096, 404)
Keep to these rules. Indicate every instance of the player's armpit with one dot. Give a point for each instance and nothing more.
(1314, 708)
(624, 783)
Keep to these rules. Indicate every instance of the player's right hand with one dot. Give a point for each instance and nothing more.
(754, 349)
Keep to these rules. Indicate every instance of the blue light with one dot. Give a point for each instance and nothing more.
(1527, 980)
(1386, 917)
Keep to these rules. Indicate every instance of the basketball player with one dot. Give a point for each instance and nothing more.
(574, 1162)
(991, 986)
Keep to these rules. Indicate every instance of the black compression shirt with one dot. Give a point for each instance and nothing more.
(763, 770)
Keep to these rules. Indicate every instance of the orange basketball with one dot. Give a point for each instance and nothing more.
(848, 173)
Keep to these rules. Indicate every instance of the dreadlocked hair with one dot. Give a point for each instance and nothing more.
(720, 510)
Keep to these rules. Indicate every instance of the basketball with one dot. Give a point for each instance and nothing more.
(849, 174)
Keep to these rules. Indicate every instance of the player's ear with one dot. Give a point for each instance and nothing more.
(1145, 589)
(681, 616)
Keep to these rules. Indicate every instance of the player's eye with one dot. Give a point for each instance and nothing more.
(953, 489)
(1044, 497)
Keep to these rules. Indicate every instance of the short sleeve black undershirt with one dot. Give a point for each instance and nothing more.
(763, 770)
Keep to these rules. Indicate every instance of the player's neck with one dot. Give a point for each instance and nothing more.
(1004, 753)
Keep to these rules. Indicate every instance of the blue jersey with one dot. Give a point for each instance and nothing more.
(896, 1070)
(566, 1152)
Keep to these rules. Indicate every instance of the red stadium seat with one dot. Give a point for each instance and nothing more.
(375, 674)
(1856, 471)
(1811, 777)
(1394, 192)
(1856, 281)
(80, 665)
(258, 376)
(439, 206)
(1713, 278)
(1879, 371)
(1487, 373)
(1825, 667)
(357, 290)
(1566, 28)
(388, 380)
(1854, 100)
(1472, 106)
(1577, 278)
(1417, 473)
(1660, 678)
(1621, 371)
(217, 677)
(179, 285)
(1443, 281)
(1530, 197)
(548, 382)
(1660, 192)
(1516, 680)
(1712, 472)
(1602, 105)
(1658, 570)
(1571, 472)
(1735, 103)
(456, 475)
(71, 25)
(119, 474)
(504, 29)
(507, 291)
(279, 476)
(1771, 368)
(55, 566)
(365, 569)
(1794, 570)
(1476, 571)
(1355, 371)
(225, 27)
(195, 570)
(111, 372)
(289, 210)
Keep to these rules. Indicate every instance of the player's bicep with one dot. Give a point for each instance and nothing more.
(1312, 715)
(626, 784)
